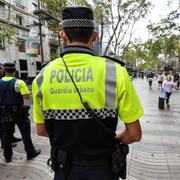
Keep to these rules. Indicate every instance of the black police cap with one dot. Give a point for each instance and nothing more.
(73, 17)
(9, 66)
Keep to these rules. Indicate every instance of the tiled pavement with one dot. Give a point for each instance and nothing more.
(156, 157)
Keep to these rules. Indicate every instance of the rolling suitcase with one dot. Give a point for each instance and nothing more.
(161, 103)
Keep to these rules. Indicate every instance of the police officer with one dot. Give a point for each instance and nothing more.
(14, 139)
(78, 140)
(12, 93)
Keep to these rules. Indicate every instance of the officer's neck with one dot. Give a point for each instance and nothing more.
(77, 43)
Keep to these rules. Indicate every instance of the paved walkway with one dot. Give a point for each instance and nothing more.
(156, 157)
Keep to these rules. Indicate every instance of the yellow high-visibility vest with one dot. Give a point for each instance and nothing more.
(104, 84)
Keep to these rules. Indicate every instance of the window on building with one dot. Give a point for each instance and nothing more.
(35, 6)
(19, 4)
(22, 45)
(24, 76)
(36, 23)
(19, 20)
(2, 46)
(19, 1)
(23, 65)
(2, 10)
(38, 65)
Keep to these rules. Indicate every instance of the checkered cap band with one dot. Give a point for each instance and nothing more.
(69, 23)
(75, 114)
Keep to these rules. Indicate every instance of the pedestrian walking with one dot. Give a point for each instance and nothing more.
(14, 139)
(77, 100)
(176, 79)
(167, 86)
(142, 75)
(160, 78)
(13, 91)
(150, 79)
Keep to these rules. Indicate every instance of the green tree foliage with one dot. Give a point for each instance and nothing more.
(83, 3)
(120, 17)
(167, 33)
(130, 55)
(167, 26)
(170, 45)
(151, 52)
(7, 32)
(54, 8)
(163, 46)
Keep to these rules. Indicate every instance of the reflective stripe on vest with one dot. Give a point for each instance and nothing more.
(39, 83)
(110, 83)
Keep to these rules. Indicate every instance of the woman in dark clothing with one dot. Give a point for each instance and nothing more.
(150, 79)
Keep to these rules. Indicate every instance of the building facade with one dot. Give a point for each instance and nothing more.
(19, 14)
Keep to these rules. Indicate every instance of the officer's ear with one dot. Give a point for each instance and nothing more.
(62, 35)
(94, 36)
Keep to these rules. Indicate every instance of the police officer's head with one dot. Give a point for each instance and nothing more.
(9, 68)
(78, 25)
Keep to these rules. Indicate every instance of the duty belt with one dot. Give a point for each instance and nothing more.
(7, 108)
(90, 160)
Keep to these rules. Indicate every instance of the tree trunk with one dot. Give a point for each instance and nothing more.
(111, 38)
(101, 37)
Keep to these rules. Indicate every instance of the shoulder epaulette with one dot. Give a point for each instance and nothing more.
(115, 60)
